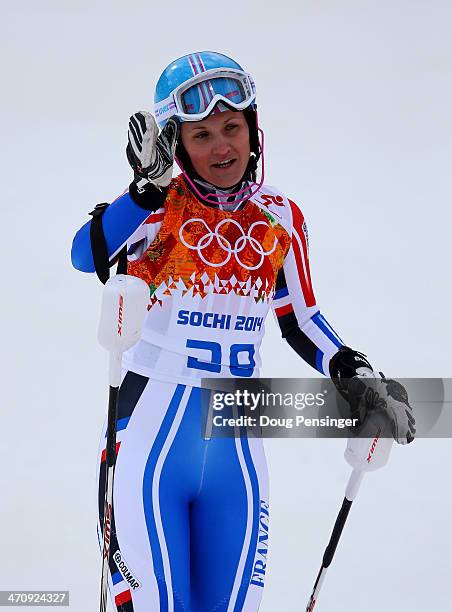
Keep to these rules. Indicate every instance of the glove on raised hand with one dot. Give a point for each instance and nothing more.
(150, 154)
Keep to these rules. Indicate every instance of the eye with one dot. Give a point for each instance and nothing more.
(201, 135)
(231, 126)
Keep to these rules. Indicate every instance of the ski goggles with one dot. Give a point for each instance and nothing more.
(196, 98)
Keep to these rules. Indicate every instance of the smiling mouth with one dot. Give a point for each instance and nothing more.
(227, 163)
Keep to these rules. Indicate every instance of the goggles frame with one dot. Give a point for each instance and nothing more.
(173, 104)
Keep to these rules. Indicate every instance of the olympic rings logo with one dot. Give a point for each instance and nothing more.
(239, 244)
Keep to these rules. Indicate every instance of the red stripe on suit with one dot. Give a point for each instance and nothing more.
(104, 452)
(283, 310)
(301, 254)
(123, 598)
(155, 218)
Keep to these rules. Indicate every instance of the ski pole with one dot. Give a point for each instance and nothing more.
(350, 494)
(124, 302)
(364, 455)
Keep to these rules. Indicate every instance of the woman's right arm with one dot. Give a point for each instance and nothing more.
(151, 157)
(120, 220)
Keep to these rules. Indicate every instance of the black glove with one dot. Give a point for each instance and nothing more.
(151, 157)
(365, 392)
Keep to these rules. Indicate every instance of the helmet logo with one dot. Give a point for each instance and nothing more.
(163, 110)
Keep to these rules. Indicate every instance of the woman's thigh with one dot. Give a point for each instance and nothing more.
(229, 527)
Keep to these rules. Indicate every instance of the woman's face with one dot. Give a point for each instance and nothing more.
(218, 147)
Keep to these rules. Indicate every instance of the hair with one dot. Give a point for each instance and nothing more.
(255, 149)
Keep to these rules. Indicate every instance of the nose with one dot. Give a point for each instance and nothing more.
(220, 146)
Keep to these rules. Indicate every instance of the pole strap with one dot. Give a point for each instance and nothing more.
(99, 249)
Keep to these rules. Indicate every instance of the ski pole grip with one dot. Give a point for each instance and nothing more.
(124, 307)
(371, 453)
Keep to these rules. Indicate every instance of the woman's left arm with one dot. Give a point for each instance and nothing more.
(302, 325)
(308, 332)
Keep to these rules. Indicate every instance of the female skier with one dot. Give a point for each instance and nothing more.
(217, 249)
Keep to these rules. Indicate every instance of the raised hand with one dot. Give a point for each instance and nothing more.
(150, 154)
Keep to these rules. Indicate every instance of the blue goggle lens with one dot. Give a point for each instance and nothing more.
(198, 97)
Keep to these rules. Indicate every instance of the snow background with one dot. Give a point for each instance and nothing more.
(354, 97)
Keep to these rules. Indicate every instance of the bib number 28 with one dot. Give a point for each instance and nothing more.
(241, 358)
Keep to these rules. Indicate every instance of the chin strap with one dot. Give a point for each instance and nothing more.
(226, 201)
